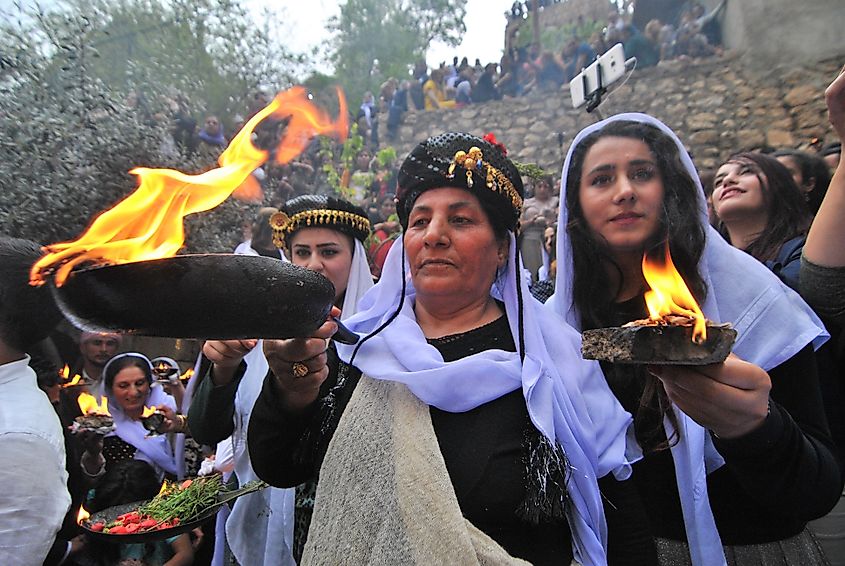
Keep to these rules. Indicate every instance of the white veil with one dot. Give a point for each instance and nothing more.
(568, 400)
(772, 322)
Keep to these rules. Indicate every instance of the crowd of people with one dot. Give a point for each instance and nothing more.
(465, 425)
(535, 69)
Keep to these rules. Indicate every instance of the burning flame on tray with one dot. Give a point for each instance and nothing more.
(89, 406)
(64, 373)
(83, 515)
(162, 368)
(189, 373)
(148, 224)
(669, 295)
(148, 411)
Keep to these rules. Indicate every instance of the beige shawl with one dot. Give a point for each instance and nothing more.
(384, 495)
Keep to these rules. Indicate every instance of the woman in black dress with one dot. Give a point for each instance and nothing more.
(464, 425)
(736, 454)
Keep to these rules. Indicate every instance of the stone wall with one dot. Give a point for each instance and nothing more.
(772, 32)
(716, 106)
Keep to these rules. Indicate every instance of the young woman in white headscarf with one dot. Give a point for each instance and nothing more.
(463, 427)
(737, 455)
(326, 235)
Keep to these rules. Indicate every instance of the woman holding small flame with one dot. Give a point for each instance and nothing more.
(745, 441)
(129, 387)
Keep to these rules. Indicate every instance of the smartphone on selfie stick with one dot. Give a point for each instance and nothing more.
(590, 85)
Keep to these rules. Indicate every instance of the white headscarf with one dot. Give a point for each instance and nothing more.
(255, 535)
(245, 248)
(772, 322)
(152, 449)
(568, 400)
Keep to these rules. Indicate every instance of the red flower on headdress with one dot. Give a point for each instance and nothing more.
(490, 138)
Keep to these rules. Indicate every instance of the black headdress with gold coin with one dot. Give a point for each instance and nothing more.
(465, 161)
(319, 211)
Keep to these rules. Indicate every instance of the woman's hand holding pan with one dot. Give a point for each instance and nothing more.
(300, 365)
(226, 356)
(731, 399)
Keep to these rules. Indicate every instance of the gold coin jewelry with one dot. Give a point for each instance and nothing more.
(298, 369)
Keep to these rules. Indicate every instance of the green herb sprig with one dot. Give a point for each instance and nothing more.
(184, 503)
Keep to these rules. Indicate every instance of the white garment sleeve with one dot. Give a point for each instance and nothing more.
(224, 459)
(33, 498)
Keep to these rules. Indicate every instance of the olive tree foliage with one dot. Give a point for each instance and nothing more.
(69, 134)
(377, 39)
(214, 49)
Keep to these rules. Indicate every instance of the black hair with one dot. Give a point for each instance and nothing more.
(786, 210)
(594, 294)
(125, 361)
(127, 481)
(548, 180)
(831, 149)
(812, 167)
(262, 232)
(46, 370)
(680, 224)
(706, 179)
(27, 314)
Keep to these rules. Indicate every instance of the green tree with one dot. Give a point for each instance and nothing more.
(377, 39)
(213, 49)
(68, 137)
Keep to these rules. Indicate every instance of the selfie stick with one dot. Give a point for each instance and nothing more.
(594, 99)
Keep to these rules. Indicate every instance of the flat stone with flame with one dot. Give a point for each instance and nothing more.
(99, 424)
(666, 342)
(676, 331)
(95, 416)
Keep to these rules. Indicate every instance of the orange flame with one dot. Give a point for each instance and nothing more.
(75, 381)
(670, 295)
(189, 373)
(89, 406)
(148, 411)
(148, 224)
(83, 515)
(64, 374)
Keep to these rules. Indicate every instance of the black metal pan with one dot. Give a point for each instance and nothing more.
(112, 513)
(203, 296)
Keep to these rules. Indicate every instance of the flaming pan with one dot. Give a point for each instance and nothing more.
(203, 296)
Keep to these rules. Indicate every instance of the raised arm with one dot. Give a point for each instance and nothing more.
(211, 416)
(824, 242)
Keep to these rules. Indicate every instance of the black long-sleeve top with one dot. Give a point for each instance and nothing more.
(212, 411)
(484, 452)
(775, 479)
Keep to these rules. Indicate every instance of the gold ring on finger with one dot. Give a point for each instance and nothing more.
(298, 369)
